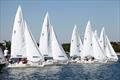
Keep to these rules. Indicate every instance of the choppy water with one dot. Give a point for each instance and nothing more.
(108, 71)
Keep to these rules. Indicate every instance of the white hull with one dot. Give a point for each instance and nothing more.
(72, 61)
(89, 61)
(46, 63)
(25, 65)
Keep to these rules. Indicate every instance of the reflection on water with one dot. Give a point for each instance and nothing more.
(107, 71)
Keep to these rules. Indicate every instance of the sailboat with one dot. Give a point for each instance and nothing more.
(23, 45)
(58, 53)
(76, 44)
(44, 43)
(33, 55)
(87, 45)
(99, 54)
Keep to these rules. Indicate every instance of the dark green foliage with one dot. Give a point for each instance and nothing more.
(66, 47)
(116, 46)
(1, 66)
(6, 44)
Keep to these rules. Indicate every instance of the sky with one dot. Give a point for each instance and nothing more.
(64, 14)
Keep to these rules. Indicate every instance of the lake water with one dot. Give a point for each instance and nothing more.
(107, 71)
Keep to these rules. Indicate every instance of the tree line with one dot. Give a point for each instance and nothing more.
(66, 46)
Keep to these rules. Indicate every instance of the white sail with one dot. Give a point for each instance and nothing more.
(97, 50)
(110, 51)
(76, 43)
(57, 50)
(87, 45)
(1, 56)
(17, 42)
(45, 38)
(102, 39)
(32, 52)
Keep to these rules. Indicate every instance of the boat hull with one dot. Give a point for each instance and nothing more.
(24, 65)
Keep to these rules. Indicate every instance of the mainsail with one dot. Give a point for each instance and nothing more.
(17, 42)
(44, 44)
(76, 43)
(87, 45)
(32, 52)
(57, 50)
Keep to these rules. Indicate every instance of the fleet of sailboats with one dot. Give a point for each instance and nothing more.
(24, 47)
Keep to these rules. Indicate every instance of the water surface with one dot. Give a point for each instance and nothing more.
(107, 71)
